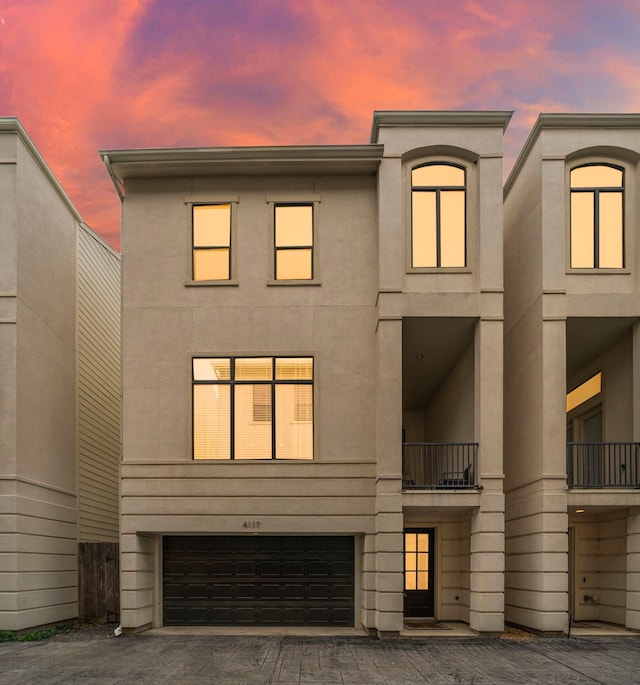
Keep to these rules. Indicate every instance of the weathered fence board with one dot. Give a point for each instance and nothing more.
(98, 582)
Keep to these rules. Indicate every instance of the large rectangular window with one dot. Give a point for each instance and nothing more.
(293, 242)
(253, 408)
(211, 242)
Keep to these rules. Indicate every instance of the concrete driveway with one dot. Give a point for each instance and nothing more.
(253, 660)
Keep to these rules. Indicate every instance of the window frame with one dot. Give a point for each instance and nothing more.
(285, 248)
(596, 191)
(232, 382)
(204, 201)
(295, 200)
(469, 211)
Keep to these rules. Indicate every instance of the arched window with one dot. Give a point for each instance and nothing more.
(597, 210)
(438, 222)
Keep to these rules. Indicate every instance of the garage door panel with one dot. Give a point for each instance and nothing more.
(245, 592)
(293, 592)
(216, 580)
(293, 569)
(221, 591)
(343, 592)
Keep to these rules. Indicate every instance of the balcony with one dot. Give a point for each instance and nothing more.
(439, 465)
(603, 464)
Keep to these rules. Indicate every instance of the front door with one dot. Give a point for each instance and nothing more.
(419, 573)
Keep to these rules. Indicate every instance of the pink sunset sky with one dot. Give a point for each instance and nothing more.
(87, 75)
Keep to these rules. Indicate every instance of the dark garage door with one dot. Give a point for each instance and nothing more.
(258, 580)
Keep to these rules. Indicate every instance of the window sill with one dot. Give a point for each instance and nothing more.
(266, 460)
(599, 272)
(310, 281)
(440, 270)
(200, 284)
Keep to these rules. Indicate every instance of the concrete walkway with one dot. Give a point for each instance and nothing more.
(285, 660)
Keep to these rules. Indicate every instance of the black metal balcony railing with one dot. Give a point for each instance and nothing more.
(439, 465)
(603, 464)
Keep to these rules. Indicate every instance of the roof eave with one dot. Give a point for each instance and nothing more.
(149, 163)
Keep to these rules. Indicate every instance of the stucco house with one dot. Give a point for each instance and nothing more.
(59, 390)
(572, 373)
(312, 380)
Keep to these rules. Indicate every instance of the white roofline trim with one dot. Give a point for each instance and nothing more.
(13, 125)
(452, 118)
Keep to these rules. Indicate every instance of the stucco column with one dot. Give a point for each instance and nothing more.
(137, 563)
(388, 525)
(488, 403)
(633, 570)
(391, 232)
(486, 598)
(536, 593)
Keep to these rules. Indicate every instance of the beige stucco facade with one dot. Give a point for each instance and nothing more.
(42, 400)
(571, 536)
(400, 355)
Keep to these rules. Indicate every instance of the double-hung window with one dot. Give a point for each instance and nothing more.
(438, 216)
(211, 242)
(252, 407)
(597, 208)
(293, 242)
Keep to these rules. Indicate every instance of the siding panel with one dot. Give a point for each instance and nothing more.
(98, 373)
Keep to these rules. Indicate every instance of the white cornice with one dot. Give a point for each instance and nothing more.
(397, 119)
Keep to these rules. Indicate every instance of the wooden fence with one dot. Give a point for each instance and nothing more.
(98, 582)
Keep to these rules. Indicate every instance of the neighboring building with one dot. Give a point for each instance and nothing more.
(59, 389)
(312, 379)
(572, 373)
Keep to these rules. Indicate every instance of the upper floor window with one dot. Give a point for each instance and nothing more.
(253, 408)
(438, 216)
(584, 392)
(597, 231)
(211, 242)
(293, 242)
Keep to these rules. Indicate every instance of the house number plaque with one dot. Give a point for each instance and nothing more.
(251, 524)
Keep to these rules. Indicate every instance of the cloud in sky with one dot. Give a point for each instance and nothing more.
(161, 73)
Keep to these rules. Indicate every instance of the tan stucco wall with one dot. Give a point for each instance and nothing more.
(39, 476)
(600, 567)
(165, 326)
(449, 415)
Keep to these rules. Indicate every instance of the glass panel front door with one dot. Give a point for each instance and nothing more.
(419, 573)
